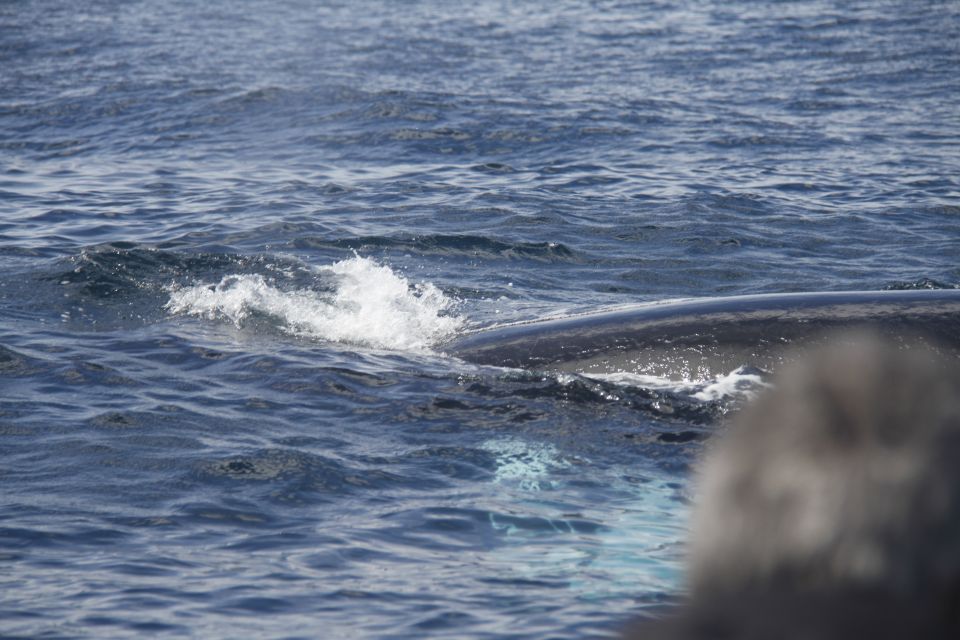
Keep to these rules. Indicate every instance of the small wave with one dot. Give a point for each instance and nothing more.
(372, 306)
(119, 270)
(451, 245)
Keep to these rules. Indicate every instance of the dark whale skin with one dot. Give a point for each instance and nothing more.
(697, 338)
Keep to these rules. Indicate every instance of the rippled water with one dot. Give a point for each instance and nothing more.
(234, 238)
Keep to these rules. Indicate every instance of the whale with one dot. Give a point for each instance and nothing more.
(700, 338)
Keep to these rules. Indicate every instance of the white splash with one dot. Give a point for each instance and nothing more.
(742, 381)
(372, 306)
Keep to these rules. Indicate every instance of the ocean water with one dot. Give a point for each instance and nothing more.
(235, 238)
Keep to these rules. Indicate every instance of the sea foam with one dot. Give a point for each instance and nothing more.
(371, 306)
(741, 382)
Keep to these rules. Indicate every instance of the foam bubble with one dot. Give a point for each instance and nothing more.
(372, 306)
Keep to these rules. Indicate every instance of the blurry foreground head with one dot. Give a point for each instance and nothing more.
(831, 507)
(845, 476)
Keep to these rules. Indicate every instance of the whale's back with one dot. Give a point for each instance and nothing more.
(703, 337)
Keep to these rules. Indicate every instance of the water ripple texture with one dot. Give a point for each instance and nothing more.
(234, 238)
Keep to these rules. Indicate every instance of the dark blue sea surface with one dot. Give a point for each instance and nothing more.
(235, 237)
